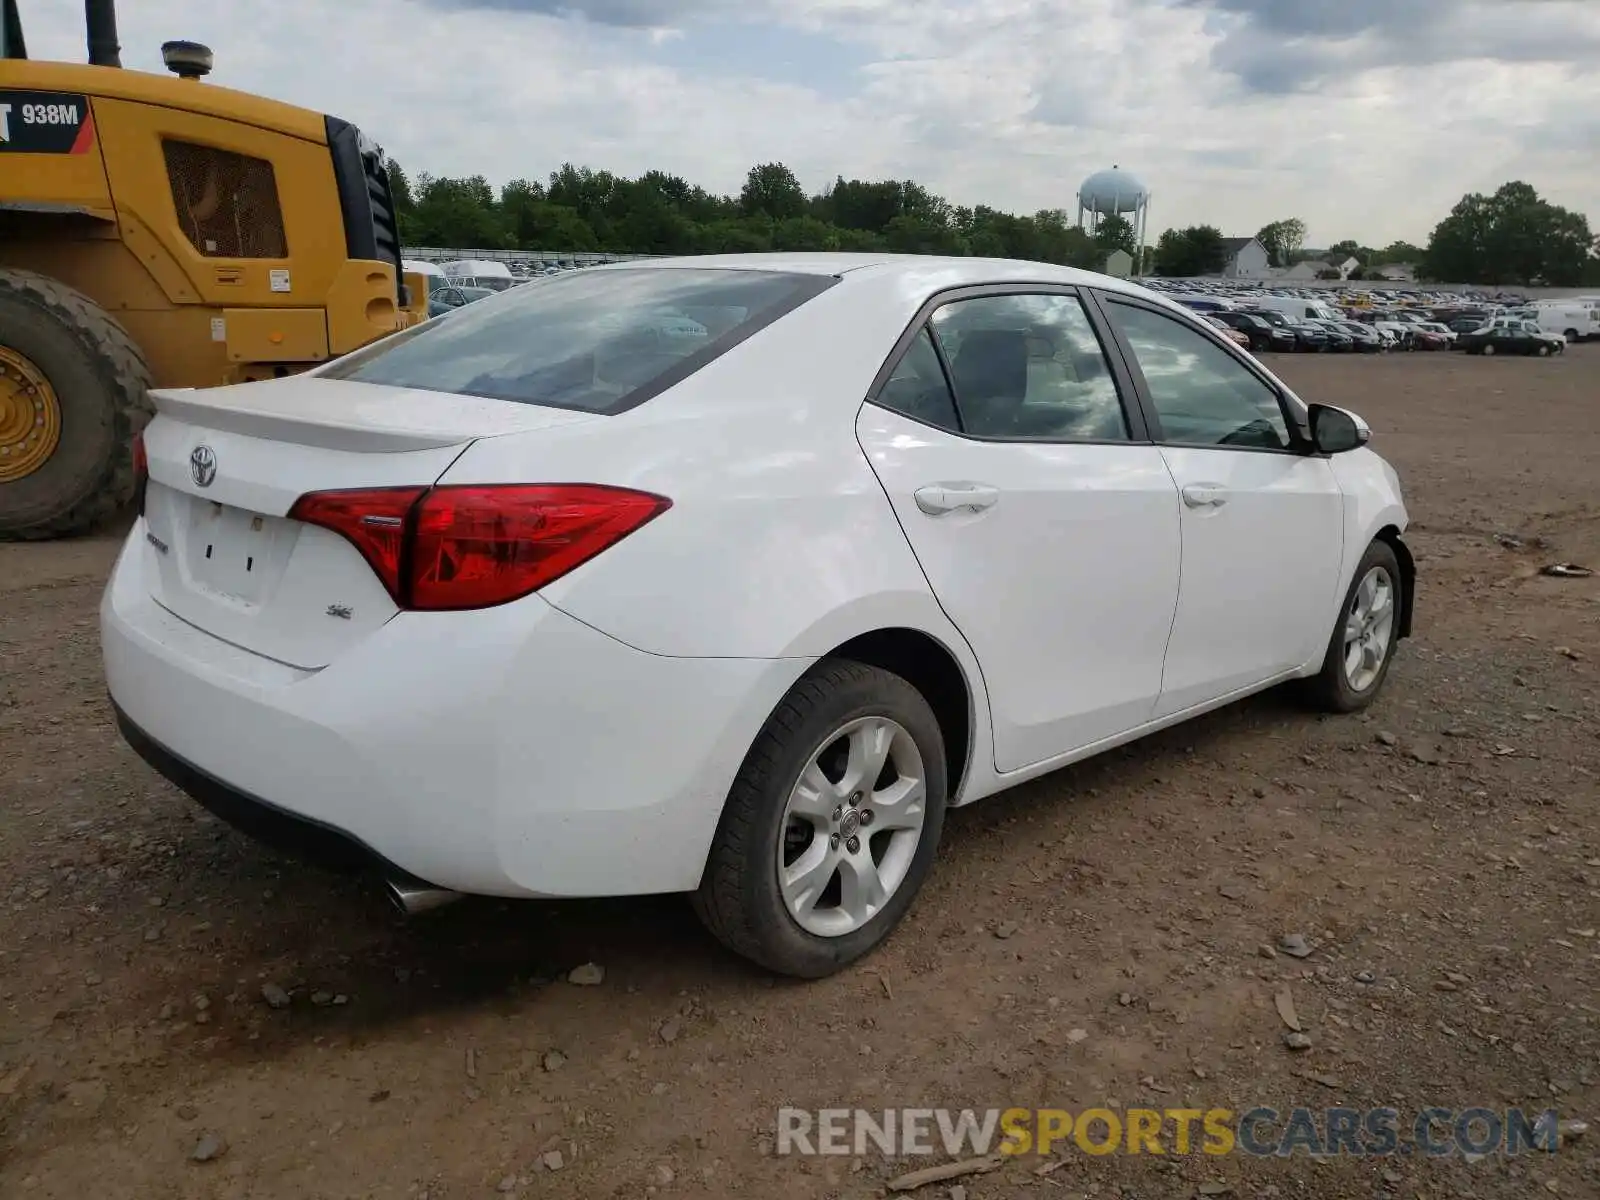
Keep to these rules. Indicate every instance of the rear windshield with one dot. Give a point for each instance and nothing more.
(595, 341)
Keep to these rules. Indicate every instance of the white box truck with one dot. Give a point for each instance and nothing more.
(1576, 319)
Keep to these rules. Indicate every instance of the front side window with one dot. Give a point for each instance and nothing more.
(595, 341)
(1029, 368)
(1201, 393)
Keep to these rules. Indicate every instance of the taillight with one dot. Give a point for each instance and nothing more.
(373, 520)
(477, 546)
(141, 470)
(472, 546)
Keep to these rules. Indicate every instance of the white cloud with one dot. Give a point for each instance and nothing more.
(1008, 103)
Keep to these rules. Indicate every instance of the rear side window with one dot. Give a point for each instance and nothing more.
(918, 388)
(227, 203)
(595, 341)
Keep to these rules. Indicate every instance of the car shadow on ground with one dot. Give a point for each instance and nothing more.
(336, 943)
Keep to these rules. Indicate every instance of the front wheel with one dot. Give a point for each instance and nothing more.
(831, 824)
(1543, 351)
(1487, 351)
(1362, 644)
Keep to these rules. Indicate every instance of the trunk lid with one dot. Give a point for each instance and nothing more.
(226, 466)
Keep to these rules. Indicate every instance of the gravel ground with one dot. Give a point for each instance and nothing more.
(1106, 936)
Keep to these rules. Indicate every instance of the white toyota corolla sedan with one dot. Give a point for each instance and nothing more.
(730, 575)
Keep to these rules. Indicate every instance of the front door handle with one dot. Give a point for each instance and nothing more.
(1204, 495)
(940, 498)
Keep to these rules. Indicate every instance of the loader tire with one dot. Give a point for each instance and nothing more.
(98, 382)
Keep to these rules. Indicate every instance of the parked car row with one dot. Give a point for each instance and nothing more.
(1303, 320)
(1264, 329)
(459, 282)
(1576, 318)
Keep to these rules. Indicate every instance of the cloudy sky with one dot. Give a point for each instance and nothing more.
(1365, 118)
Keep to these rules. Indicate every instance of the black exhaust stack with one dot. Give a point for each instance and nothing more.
(101, 18)
(11, 31)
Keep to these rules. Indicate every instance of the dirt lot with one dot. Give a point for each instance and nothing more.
(1101, 937)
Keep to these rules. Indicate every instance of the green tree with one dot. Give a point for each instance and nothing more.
(1197, 250)
(1398, 252)
(804, 233)
(772, 189)
(1283, 239)
(1511, 237)
(1350, 248)
(405, 204)
(910, 234)
(459, 212)
(1116, 233)
(735, 235)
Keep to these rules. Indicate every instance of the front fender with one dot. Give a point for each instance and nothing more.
(1373, 508)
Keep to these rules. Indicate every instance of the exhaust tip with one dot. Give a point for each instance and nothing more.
(412, 896)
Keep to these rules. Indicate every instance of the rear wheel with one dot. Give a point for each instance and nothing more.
(1571, 335)
(72, 395)
(831, 825)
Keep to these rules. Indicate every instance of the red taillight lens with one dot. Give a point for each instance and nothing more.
(374, 520)
(478, 546)
(469, 546)
(141, 470)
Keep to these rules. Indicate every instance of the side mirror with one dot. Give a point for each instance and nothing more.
(1333, 430)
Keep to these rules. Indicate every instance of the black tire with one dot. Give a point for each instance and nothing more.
(1571, 335)
(739, 899)
(101, 382)
(1330, 689)
(1542, 350)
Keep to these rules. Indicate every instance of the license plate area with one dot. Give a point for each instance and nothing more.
(233, 554)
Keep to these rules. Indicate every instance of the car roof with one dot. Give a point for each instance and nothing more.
(952, 271)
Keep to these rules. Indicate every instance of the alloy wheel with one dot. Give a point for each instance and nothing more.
(1367, 629)
(851, 826)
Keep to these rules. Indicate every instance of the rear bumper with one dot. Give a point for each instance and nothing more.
(303, 838)
(511, 751)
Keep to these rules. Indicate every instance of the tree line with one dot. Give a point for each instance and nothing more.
(1510, 237)
(583, 209)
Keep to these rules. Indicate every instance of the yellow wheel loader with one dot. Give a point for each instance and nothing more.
(159, 231)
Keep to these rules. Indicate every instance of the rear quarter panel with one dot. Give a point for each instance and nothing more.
(780, 541)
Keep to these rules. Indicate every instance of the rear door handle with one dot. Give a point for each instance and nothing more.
(940, 498)
(1204, 495)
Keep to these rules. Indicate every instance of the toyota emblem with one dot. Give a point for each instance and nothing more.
(203, 465)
